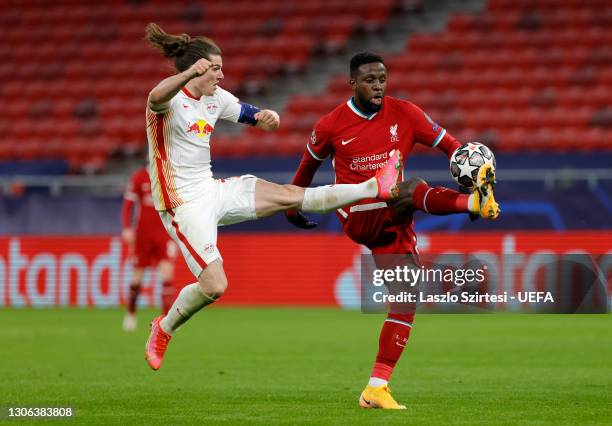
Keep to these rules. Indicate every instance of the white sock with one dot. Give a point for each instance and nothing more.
(471, 206)
(323, 199)
(189, 301)
(376, 382)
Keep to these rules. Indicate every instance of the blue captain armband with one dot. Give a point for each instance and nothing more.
(247, 113)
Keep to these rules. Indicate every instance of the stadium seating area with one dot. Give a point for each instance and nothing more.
(75, 74)
(520, 75)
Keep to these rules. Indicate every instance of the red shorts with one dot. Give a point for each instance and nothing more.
(150, 251)
(380, 231)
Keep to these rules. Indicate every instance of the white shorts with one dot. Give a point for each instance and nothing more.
(193, 225)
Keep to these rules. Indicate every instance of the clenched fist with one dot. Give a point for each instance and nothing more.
(201, 66)
(267, 119)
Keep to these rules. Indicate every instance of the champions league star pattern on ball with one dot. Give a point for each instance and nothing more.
(467, 160)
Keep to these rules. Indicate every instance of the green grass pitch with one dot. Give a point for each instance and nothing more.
(295, 365)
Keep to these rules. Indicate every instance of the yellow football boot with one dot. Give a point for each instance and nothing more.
(483, 193)
(378, 397)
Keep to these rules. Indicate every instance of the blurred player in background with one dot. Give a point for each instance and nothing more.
(149, 243)
(358, 135)
(182, 111)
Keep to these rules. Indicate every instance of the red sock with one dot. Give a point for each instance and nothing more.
(393, 337)
(439, 200)
(133, 297)
(167, 296)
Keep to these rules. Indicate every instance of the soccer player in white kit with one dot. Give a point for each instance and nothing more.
(182, 111)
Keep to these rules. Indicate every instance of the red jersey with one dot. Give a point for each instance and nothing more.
(148, 223)
(359, 145)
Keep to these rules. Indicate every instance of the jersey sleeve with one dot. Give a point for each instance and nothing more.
(426, 131)
(448, 144)
(131, 190)
(306, 170)
(319, 146)
(130, 198)
(163, 108)
(229, 106)
(127, 212)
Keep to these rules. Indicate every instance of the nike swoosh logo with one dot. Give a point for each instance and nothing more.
(185, 106)
(348, 141)
(402, 346)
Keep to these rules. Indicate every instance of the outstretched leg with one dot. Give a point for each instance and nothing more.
(271, 198)
(416, 194)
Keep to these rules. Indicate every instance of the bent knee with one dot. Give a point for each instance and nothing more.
(216, 292)
(404, 204)
(214, 288)
(406, 188)
(213, 281)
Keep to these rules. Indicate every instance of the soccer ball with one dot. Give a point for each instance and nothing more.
(467, 160)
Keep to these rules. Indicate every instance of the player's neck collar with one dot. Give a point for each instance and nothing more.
(189, 94)
(351, 104)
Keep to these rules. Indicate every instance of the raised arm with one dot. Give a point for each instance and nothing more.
(448, 144)
(169, 87)
(430, 133)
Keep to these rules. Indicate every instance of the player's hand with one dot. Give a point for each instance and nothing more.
(128, 236)
(267, 119)
(200, 67)
(298, 219)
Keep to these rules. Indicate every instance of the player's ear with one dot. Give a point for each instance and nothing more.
(353, 83)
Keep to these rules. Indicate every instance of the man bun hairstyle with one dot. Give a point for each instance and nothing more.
(182, 48)
(363, 58)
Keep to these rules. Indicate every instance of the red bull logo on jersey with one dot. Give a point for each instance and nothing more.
(200, 128)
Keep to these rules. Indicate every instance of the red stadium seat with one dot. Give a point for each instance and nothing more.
(543, 67)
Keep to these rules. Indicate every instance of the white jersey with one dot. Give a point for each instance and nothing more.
(179, 144)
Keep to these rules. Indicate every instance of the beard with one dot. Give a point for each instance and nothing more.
(370, 108)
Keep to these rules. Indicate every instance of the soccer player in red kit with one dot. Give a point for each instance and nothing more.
(358, 135)
(150, 244)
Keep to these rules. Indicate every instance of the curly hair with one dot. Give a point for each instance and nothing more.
(182, 48)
